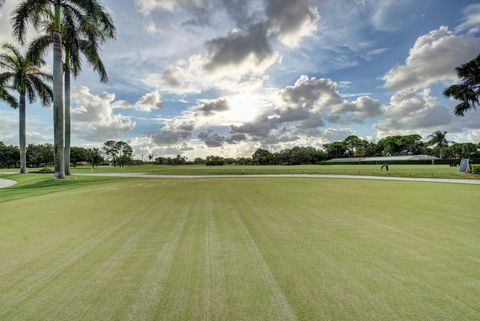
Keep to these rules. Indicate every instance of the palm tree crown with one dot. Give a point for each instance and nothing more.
(468, 92)
(25, 77)
(438, 139)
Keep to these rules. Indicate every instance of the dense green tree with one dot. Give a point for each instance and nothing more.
(262, 157)
(401, 145)
(95, 156)
(79, 154)
(40, 155)
(468, 91)
(335, 150)
(111, 151)
(125, 153)
(355, 146)
(26, 78)
(214, 161)
(9, 156)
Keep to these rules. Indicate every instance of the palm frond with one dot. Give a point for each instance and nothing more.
(44, 91)
(91, 53)
(8, 98)
(30, 91)
(38, 48)
(28, 12)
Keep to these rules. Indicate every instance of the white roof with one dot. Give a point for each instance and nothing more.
(383, 159)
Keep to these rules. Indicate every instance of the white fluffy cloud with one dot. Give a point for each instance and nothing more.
(421, 113)
(147, 103)
(304, 107)
(246, 52)
(93, 116)
(432, 59)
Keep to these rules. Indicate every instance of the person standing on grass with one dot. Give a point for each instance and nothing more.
(384, 165)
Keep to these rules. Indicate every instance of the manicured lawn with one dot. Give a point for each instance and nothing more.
(429, 171)
(249, 249)
(426, 171)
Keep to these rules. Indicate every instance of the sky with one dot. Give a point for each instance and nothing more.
(225, 77)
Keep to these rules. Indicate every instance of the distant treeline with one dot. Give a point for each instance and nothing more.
(120, 153)
(351, 146)
(41, 155)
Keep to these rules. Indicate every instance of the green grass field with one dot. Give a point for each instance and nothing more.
(251, 249)
(428, 171)
(425, 171)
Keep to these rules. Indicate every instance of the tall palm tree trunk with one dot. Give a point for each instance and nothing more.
(67, 115)
(59, 145)
(22, 135)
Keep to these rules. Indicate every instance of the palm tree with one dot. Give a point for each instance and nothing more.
(439, 139)
(25, 77)
(468, 92)
(78, 39)
(37, 12)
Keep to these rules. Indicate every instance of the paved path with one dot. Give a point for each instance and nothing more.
(380, 178)
(6, 182)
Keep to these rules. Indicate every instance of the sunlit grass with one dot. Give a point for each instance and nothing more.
(229, 249)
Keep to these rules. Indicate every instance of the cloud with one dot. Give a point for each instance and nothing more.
(236, 138)
(38, 132)
(173, 80)
(419, 112)
(93, 117)
(241, 12)
(390, 15)
(211, 107)
(147, 103)
(174, 131)
(212, 139)
(471, 20)
(240, 52)
(432, 59)
(291, 21)
(305, 106)
(147, 6)
(245, 52)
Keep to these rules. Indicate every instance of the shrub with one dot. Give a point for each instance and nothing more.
(476, 169)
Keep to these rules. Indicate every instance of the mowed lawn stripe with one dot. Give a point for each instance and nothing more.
(50, 272)
(367, 230)
(93, 281)
(253, 249)
(38, 231)
(146, 299)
